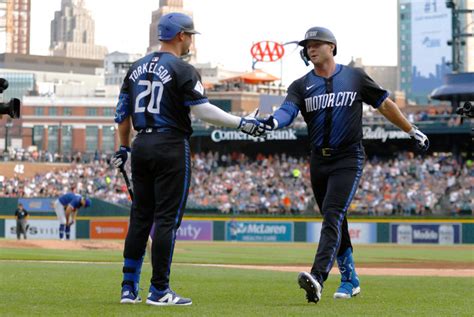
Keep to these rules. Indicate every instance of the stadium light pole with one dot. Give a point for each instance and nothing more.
(456, 36)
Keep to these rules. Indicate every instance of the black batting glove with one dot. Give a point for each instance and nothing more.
(121, 156)
(421, 140)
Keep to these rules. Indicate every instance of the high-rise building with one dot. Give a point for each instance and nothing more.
(72, 32)
(167, 6)
(424, 29)
(15, 26)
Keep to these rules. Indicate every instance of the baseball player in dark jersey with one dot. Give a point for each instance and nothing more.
(158, 94)
(330, 99)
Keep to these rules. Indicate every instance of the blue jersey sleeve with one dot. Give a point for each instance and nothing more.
(286, 114)
(122, 111)
(372, 93)
(191, 86)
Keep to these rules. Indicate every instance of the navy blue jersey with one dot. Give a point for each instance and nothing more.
(350, 88)
(157, 92)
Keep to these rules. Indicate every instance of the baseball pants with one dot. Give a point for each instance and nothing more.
(60, 213)
(334, 180)
(161, 173)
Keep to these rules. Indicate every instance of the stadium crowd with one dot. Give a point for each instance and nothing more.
(277, 184)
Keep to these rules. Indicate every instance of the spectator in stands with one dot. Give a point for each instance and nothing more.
(260, 185)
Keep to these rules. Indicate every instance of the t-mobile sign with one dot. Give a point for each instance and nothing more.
(195, 230)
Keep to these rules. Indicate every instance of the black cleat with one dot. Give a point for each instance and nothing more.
(312, 287)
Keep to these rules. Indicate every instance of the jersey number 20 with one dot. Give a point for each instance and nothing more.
(154, 103)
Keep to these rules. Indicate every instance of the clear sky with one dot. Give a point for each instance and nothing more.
(363, 28)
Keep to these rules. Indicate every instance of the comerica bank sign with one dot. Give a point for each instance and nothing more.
(224, 135)
(370, 133)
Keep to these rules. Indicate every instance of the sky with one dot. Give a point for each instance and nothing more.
(364, 29)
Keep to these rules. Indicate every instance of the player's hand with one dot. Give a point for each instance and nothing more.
(420, 139)
(269, 124)
(121, 156)
(251, 126)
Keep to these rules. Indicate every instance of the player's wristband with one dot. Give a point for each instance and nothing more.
(412, 131)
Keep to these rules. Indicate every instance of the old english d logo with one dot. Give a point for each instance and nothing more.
(267, 51)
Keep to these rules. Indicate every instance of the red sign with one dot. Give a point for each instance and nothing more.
(267, 51)
(108, 229)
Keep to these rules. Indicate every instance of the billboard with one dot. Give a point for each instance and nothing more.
(38, 229)
(195, 230)
(430, 31)
(445, 233)
(361, 233)
(258, 231)
(109, 229)
(37, 204)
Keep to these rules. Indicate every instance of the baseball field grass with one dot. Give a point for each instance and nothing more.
(45, 282)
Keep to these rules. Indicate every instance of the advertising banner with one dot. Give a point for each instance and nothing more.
(195, 230)
(115, 229)
(37, 204)
(361, 233)
(445, 233)
(37, 229)
(259, 231)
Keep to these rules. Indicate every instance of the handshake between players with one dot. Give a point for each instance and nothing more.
(257, 127)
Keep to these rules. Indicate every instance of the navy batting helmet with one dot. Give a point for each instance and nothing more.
(319, 34)
(172, 23)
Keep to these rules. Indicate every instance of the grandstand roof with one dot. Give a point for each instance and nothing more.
(458, 87)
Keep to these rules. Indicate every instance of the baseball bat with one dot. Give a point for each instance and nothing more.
(127, 182)
(130, 192)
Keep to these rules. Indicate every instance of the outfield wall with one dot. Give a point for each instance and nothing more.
(362, 231)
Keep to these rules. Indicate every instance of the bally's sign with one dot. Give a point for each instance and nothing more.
(278, 135)
(380, 133)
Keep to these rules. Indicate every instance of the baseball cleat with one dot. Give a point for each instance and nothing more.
(166, 298)
(312, 287)
(350, 285)
(129, 296)
(346, 290)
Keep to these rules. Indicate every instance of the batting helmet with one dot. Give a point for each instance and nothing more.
(172, 23)
(319, 34)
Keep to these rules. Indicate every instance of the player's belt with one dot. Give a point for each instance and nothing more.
(162, 130)
(153, 130)
(328, 151)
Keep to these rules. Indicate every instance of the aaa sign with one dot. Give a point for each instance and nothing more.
(267, 51)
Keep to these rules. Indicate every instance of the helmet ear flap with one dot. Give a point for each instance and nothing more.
(304, 56)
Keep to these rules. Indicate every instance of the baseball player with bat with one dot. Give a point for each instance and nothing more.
(330, 99)
(158, 94)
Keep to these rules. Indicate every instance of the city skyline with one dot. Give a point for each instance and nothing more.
(229, 29)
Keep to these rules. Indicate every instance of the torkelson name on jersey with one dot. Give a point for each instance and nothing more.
(153, 68)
